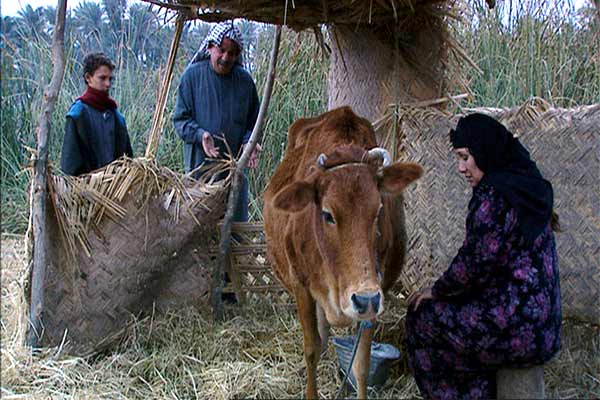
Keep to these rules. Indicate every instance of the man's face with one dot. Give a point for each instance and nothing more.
(101, 79)
(222, 58)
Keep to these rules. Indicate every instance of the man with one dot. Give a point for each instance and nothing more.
(217, 102)
(95, 131)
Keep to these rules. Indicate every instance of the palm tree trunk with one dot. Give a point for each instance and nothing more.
(371, 70)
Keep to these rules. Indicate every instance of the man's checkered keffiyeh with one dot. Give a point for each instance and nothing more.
(215, 36)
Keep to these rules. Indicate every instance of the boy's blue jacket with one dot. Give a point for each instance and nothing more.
(93, 139)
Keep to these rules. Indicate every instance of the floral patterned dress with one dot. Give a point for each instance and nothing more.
(498, 304)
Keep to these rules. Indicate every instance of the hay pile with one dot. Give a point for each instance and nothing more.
(256, 353)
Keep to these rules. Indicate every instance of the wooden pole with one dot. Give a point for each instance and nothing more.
(40, 164)
(158, 120)
(224, 244)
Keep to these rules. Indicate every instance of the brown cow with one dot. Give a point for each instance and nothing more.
(335, 229)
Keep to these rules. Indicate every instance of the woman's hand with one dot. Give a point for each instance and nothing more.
(417, 297)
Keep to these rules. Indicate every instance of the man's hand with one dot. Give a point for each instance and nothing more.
(208, 144)
(415, 299)
(253, 161)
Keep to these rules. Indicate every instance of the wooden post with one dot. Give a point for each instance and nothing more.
(40, 164)
(158, 120)
(225, 241)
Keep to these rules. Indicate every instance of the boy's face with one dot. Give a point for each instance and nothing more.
(101, 79)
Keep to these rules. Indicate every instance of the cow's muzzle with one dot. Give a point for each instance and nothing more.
(366, 305)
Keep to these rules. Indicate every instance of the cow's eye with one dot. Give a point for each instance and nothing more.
(327, 217)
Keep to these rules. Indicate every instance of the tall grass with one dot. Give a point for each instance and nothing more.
(542, 49)
(528, 48)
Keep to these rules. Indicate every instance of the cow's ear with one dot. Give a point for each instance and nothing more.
(396, 177)
(295, 196)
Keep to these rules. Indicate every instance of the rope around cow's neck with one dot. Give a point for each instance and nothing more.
(361, 326)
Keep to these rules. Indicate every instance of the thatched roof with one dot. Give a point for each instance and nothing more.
(301, 14)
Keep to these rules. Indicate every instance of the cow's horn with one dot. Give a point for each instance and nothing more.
(380, 152)
(321, 160)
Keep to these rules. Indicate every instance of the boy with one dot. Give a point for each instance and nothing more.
(95, 131)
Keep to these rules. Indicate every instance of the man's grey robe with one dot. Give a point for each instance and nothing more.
(223, 105)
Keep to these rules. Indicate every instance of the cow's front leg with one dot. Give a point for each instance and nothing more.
(360, 367)
(312, 343)
(323, 328)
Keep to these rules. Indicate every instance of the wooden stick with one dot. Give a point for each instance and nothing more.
(429, 103)
(40, 164)
(224, 244)
(158, 120)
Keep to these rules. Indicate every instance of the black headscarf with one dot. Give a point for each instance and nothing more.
(508, 168)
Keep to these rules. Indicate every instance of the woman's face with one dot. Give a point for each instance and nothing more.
(467, 166)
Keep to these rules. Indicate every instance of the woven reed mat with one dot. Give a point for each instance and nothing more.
(252, 277)
(566, 145)
(126, 241)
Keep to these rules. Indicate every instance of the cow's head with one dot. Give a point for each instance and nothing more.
(346, 191)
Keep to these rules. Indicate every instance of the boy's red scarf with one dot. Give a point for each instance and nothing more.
(98, 99)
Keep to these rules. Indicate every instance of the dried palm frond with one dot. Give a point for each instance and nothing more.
(81, 203)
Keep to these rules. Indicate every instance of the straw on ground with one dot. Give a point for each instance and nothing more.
(255, 353)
